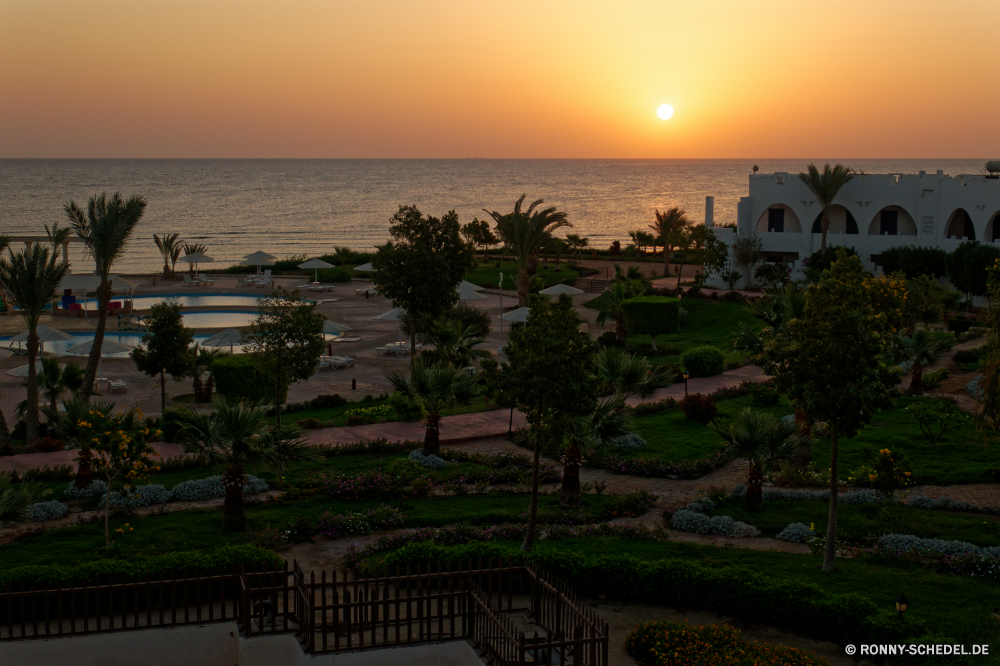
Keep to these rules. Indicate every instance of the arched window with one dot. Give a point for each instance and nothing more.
(841, 221)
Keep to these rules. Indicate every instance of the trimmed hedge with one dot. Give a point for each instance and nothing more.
(914, 261)
(241, 377)
(193, 562)
(704, 361)
(737, 590)
(651, 315)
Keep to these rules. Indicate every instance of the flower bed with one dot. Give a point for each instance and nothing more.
(655, 465)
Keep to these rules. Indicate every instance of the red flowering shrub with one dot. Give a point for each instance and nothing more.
(698, 407)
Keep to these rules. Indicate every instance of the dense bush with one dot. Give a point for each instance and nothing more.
(698, 407)
(339, 525)
(704, 361)
(914, 261)
(651, 315)
(319, 402)
(309, 424)
(859, 496)
(335, 274)
(906, 543)
(727, 589)
(967, 355)
(631, 441)
(967, 266)
(407, 407)
(46, 511)
(95, 489)
(698, 523)
(222, 559)
(796, 533)
(169, 425)
(733, 297)
(211, 487)
(629, 505)
(820, 260)
(608, 339)
(429, 462)
(764, 394)
(146, 495)
(241, 377)
(673, 644)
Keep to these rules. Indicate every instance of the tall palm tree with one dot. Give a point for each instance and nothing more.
(30, 278)
(440, 387)
(454, 345)
(57, 236)
(105, 228)
(577, 242)
(525, 233)
(166, 245)
(923, 348)
(625, 375)
(54, 381)
(669, 227)
(825, 188)
(764, 442)
(237, 436)
(612, 306)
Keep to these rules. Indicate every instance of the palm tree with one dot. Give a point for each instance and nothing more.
(825, 188)
(452, 345)
(57, 236)
(15, 498)
(237, 436)
(611, 306)
(779, 305)
(105, 228)
(439, 387)
(54, 381)
(577, 242)
(764, 442)
(525, 233)
(669, 227)
(166, 245)
(923, 348)
(625, 375)
(201, 361)
(30, 278)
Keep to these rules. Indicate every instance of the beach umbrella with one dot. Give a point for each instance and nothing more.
(45, 334)
(107, 347)
(365, 268)
(333, 328)
(22, 371)
(315, 264)
(519, 315)
(258, 259)
(393, 315)
(465, 284)
(226, 338)
(561, 289)
(196, 259)
(469, 295)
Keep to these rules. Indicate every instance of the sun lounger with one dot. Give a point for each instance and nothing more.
(335, 362)
(343, 339)
(319, 287)
(188, 282)
(118, 386)
(204, 279)
(371, 291)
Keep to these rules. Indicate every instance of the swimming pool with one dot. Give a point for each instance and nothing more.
(218, 318)
(131, 339)
(187, 300)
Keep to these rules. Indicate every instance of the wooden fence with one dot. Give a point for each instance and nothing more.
(512, 612)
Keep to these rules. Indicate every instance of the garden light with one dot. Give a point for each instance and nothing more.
(686, 375)
(901, 603)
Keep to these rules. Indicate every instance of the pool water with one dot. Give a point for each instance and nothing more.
(131, 339)
(218, 318)
(187, 300)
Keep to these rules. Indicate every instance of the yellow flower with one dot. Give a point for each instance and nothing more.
(906, 473)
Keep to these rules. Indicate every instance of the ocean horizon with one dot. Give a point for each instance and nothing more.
(307, 206)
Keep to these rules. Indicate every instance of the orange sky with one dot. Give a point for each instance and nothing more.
(475, 78)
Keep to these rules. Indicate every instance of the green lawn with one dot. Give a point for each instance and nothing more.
(202, 529)
(708, 323)
(672, 436)
(857, 521)
(488, 275)
(961, 457)
(953, 606)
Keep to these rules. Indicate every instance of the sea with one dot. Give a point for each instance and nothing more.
(292, 207)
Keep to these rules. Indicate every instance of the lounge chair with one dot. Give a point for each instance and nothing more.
(188, 282)
(204, 279)
(338, 362)
(118, 386)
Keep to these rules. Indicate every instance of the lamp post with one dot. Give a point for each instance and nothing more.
(686, 375)
(901, 603)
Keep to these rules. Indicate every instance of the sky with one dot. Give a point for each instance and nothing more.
(499, 79)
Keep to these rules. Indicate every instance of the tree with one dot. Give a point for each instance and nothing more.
(56, 236)
(120, 452)
(967, 266)
(30, 278)
(439, 387)
(54, 381)
(747, 252)
(611, 306)
(549, 363)
(670, 226)
(764, 442)
(105, 228)
(702, 246)
(577, 242)
(420, 266)
(832, 359)
(625, 375)
(201, 362)
(988, 417)
(165, 348)
(287, 338)
(922, 348)
(237, 436)
(479, 234)
(779, 305)
(454, 345)
(825, 188)
(525, 233)
(166, 245)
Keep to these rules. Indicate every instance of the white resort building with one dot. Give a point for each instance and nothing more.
(872, 212)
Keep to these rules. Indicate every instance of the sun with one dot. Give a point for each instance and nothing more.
(665, 111)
